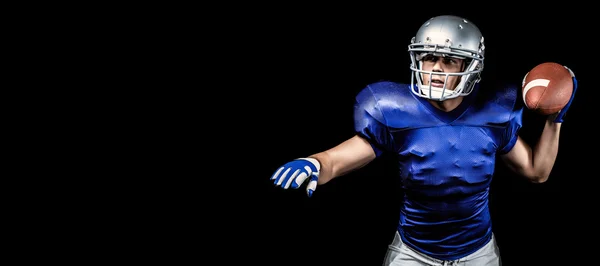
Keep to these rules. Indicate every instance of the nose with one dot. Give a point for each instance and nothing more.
(437, 67)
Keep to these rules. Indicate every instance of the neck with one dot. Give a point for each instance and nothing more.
(447, 105)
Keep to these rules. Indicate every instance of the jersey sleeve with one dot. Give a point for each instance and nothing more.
(511, 131)
(369, 121)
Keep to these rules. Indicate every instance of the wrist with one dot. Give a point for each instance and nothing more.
(314, 161)
(552, 123)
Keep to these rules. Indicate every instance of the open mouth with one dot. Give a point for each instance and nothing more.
(436, 82)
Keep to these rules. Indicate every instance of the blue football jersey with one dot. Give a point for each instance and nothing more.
(446, 161)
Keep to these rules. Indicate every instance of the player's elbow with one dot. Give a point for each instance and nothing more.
(538, 178)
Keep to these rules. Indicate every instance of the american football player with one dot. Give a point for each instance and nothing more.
(447, 135)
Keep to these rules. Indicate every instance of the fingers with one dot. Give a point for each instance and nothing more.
(312, 184)
(276, 174)
(299, 180)
(570, 71)
(295, 173)
(288, 180)
(302, 177)
(280, 175)
(285, 178)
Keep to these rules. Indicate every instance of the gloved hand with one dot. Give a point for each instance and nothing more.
(294, 173)
(560, 116)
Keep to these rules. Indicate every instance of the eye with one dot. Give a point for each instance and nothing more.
(450, 61)
(429, 58)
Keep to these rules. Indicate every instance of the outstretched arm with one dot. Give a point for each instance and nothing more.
(348, 156)
(321, 167)
(535, 163)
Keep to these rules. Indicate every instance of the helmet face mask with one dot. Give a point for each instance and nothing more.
(446, 36)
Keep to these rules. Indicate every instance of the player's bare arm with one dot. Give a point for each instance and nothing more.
(344, 158)
(535, 163)
(321, 167)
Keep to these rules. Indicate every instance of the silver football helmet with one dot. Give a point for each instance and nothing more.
(447, 36)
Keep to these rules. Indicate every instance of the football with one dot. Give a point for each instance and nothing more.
(547, 88)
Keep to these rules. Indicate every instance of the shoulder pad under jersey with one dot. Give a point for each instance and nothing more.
(496, 107)
(392, 105)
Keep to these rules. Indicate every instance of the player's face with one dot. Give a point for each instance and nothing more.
(442, 64)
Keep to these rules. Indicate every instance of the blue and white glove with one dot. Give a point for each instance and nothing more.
(559, 117)
(294, 173)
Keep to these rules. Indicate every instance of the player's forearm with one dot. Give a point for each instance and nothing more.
(546, 151)
(346, 157)
(327, 167)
